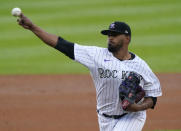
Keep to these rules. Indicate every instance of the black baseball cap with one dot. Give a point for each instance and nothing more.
(117, 27)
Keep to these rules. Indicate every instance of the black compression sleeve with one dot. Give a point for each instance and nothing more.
(154, 99)
(65, 47)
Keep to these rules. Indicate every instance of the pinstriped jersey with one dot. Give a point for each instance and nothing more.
(108, 72)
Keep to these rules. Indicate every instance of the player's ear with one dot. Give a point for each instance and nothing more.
(128, 38)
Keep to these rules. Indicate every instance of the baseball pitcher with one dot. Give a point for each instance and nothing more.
(125, 85)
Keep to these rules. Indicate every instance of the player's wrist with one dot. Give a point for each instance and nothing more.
(133, 108)
(33, 27)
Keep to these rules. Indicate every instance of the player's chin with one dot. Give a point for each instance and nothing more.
(111, 48)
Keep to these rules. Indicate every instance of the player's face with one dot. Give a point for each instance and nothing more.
(116, 42)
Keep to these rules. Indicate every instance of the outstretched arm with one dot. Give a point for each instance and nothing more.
(47, 38)
(58, 43)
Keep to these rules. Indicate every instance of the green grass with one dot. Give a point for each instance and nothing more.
(155, 27)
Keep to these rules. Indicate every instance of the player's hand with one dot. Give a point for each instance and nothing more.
(25, 22)
(146, 104)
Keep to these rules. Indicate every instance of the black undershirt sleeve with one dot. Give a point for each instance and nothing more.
(154, 99)
(65, 47)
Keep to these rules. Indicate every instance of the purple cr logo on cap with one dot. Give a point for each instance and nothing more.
(112, 26)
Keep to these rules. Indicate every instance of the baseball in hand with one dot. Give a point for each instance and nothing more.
(16, 12)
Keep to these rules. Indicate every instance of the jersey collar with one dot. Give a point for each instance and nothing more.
(132, 56)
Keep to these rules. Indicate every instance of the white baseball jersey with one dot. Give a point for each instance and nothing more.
(107, 73)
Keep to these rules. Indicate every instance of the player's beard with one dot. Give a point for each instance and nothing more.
(112, 47)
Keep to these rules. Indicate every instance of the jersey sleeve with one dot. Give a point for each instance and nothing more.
(85, 55)
(151, 84)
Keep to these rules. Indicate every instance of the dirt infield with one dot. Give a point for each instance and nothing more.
(68, 103)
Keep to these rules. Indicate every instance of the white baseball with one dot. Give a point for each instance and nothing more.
(16, 12)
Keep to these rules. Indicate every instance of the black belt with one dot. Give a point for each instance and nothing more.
(113, 116)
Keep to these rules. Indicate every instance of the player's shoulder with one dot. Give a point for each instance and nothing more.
(139, 59)
(99, 48)
(89, 47)
(141, 63)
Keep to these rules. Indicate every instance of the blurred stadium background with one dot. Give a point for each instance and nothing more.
(155, 28)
